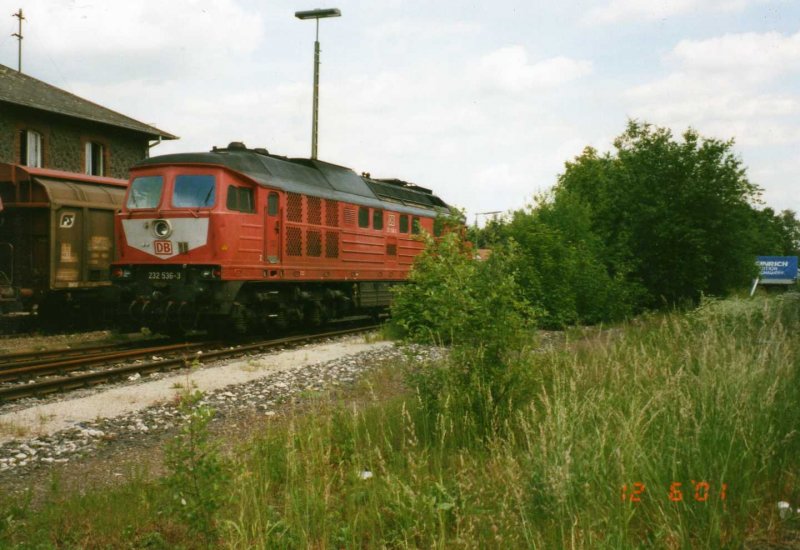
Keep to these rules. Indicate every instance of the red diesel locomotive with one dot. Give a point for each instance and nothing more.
(240, 240)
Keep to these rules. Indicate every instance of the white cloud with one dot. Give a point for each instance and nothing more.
(786, 169)
(508, 70)
(752, 57)
(727, 86)
(648, 10)
(183, 35)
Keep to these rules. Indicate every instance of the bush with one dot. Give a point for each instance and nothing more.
(477, 308)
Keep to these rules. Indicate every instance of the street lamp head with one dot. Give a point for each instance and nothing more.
(318, 14)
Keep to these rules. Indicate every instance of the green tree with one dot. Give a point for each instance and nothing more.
(674, 215)
(561, 265)
(790, 233)
(776, 234)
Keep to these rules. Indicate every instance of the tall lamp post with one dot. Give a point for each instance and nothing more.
(317, 15)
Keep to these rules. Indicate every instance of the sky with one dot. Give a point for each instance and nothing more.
(483, 102)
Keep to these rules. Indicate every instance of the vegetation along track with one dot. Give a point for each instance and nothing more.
(37, 367)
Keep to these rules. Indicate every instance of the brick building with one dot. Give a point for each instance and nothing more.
(43, 126)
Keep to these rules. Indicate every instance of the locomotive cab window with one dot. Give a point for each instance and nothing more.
(415, 226)
(272, 204)
(403, 223)
(240, 199)
(194, 191)
(377, 219)
(145, 192)
(363, 216)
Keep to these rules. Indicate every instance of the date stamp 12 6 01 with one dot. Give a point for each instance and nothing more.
(697, 491)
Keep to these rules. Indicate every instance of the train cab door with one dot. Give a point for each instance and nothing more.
(272, 229)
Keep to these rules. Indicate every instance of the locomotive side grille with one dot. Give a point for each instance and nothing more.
(294, 241)
(332, 213)
(349, 216)
(314, 210)
(294, 211)
(331, 244)
(314, 244)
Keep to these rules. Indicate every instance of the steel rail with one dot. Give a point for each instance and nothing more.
(45, 367)
(37, 389)
(21, 358)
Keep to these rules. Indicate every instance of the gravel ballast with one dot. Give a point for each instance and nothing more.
(34, 435)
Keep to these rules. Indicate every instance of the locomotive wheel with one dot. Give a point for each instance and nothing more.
(239, 324)
(314, 314)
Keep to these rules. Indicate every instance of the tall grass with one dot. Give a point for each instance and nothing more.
(699, 400)
(708, 401)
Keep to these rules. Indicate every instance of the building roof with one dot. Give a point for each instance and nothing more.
(23, 90)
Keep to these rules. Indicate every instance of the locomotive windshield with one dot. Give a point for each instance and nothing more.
(145, 192)
(194, 191)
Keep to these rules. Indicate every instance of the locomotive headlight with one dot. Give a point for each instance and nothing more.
(162, 229)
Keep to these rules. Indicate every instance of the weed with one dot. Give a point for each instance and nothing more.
(13, 429)
(253, 365)
(198, 475)
(375, 336)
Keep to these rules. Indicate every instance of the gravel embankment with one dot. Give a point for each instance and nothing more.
(57, 432)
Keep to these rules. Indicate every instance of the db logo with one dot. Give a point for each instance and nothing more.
(162, 247)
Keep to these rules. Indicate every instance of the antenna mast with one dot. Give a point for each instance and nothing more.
(18, 35)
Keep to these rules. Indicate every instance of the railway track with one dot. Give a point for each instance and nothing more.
(184, 354)
(23, 358)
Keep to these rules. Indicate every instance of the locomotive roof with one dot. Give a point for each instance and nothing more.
(312, 177)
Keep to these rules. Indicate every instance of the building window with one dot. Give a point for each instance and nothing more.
(30, 148)
(415, 226)
(94, 163)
